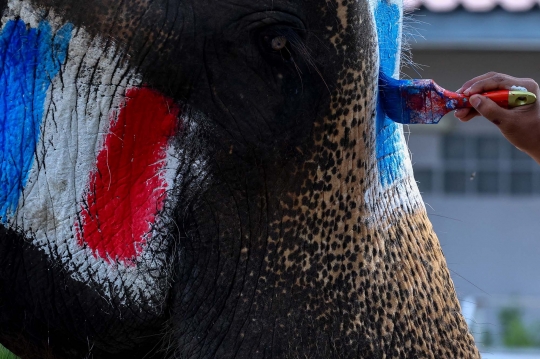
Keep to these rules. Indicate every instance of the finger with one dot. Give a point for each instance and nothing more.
(500, 82)
(495, 82)
(462, 113)
(471, 82)
(531, 85)
(490, 110)
(466, 114)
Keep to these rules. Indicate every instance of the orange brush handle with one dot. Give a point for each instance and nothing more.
(500, 97)
(461, 101)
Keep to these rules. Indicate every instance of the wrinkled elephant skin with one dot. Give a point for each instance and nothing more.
(212, 179)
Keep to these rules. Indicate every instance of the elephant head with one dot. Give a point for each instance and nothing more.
(212, 179)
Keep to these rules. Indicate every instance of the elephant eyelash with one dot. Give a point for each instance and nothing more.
(299, 47)
(296, 47)
(295, 50)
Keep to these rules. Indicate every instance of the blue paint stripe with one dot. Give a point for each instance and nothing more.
(389, 149)
(29, 59)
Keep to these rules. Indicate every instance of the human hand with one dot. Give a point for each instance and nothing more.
(520, 125)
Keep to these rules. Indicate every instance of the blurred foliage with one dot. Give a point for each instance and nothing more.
(487, 338)
(6, 354)
(514, 332)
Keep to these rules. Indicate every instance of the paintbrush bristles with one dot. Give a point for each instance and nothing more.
(414, 101)
(390, 95)
(423, 101)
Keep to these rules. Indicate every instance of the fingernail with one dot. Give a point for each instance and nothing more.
(467, 91)
(475, 101)
(459, 90)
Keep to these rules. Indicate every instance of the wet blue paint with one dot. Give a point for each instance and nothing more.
(389, 150)
(29, 59)
(393, 99)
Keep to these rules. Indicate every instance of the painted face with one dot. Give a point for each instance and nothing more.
(240, 151)
(88, 162)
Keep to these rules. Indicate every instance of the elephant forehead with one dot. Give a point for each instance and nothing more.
(87, 162)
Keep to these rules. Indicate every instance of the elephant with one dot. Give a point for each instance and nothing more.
(212, 179)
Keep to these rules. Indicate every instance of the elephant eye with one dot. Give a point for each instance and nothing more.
(279, 43)
(276, 44)
(283, 45)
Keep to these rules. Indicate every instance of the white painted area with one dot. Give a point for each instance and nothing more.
(384, 203)
(80, 101)
(25, 11)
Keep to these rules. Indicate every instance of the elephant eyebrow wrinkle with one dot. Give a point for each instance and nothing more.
(298, 46)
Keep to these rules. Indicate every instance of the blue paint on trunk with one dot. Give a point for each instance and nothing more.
(29, 59)
(389, 150)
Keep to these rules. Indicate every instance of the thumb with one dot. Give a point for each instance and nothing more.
(489, 109)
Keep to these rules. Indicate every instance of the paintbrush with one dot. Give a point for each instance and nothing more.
(423, 101)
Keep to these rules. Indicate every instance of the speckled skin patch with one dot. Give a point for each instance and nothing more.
(286, 245)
